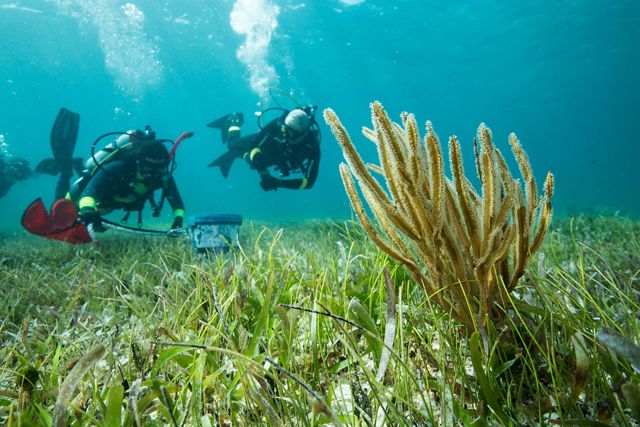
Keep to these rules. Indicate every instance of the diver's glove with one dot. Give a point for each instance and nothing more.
(91, 218)
(177, 223)
(268, 183)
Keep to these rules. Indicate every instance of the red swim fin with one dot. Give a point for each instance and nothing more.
(63, 214)
(35, 218)
(60, 225)
(76, 235)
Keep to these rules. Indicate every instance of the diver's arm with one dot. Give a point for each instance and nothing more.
(314, 165)
(175, 201)
(87, 204)
(267, 182)
(270, 183)
(303, 183)
(296, 183)
(310, 174)
(103, 181)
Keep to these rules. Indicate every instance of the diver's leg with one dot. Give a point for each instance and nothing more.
(232, 135)
(229, 126)
(245, 144)
(62, 186)
(64, 134)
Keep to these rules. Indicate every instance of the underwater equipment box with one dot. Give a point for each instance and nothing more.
(214, 233)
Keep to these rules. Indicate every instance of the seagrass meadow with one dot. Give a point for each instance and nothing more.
(309, 323)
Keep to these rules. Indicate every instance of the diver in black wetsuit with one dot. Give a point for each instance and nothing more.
(12, 170)
(290, 144)
(123, 178)
(128, 183)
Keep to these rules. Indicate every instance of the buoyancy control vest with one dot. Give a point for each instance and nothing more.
(126, 145)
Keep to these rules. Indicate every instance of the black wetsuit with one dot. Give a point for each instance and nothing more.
(12, 170)
(274, 146)
(119, 185)
(6, 182)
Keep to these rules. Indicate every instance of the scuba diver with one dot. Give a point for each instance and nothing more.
(128, 182)
(12, 170)
(123, 175)
(290, 144)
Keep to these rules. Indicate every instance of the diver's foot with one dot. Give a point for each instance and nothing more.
(234, 121)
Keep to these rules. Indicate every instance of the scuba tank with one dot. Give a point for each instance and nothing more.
(129, 141)
(125, 144)
(103, 155)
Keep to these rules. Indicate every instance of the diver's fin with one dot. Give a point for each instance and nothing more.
(49, 167)
(59, 225)
(78, 165)
(64, 134)
(52, 167)
(224, 121)
(64, 214)
(220, 123)
(224, 162)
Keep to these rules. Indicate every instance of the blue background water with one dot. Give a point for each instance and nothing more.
(564, 75)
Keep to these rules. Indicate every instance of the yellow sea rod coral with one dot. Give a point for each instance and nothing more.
(467, 249)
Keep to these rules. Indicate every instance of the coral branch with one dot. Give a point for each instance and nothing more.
(466, 249)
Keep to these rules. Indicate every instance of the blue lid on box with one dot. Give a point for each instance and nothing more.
(215, 219)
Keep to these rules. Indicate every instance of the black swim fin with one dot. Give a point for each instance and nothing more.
(64, 134)
(224, 121)
(49, 167)
(52, 167)
(224, 162)
(78, 165)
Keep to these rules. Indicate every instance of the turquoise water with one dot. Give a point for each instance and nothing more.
(564, 75)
